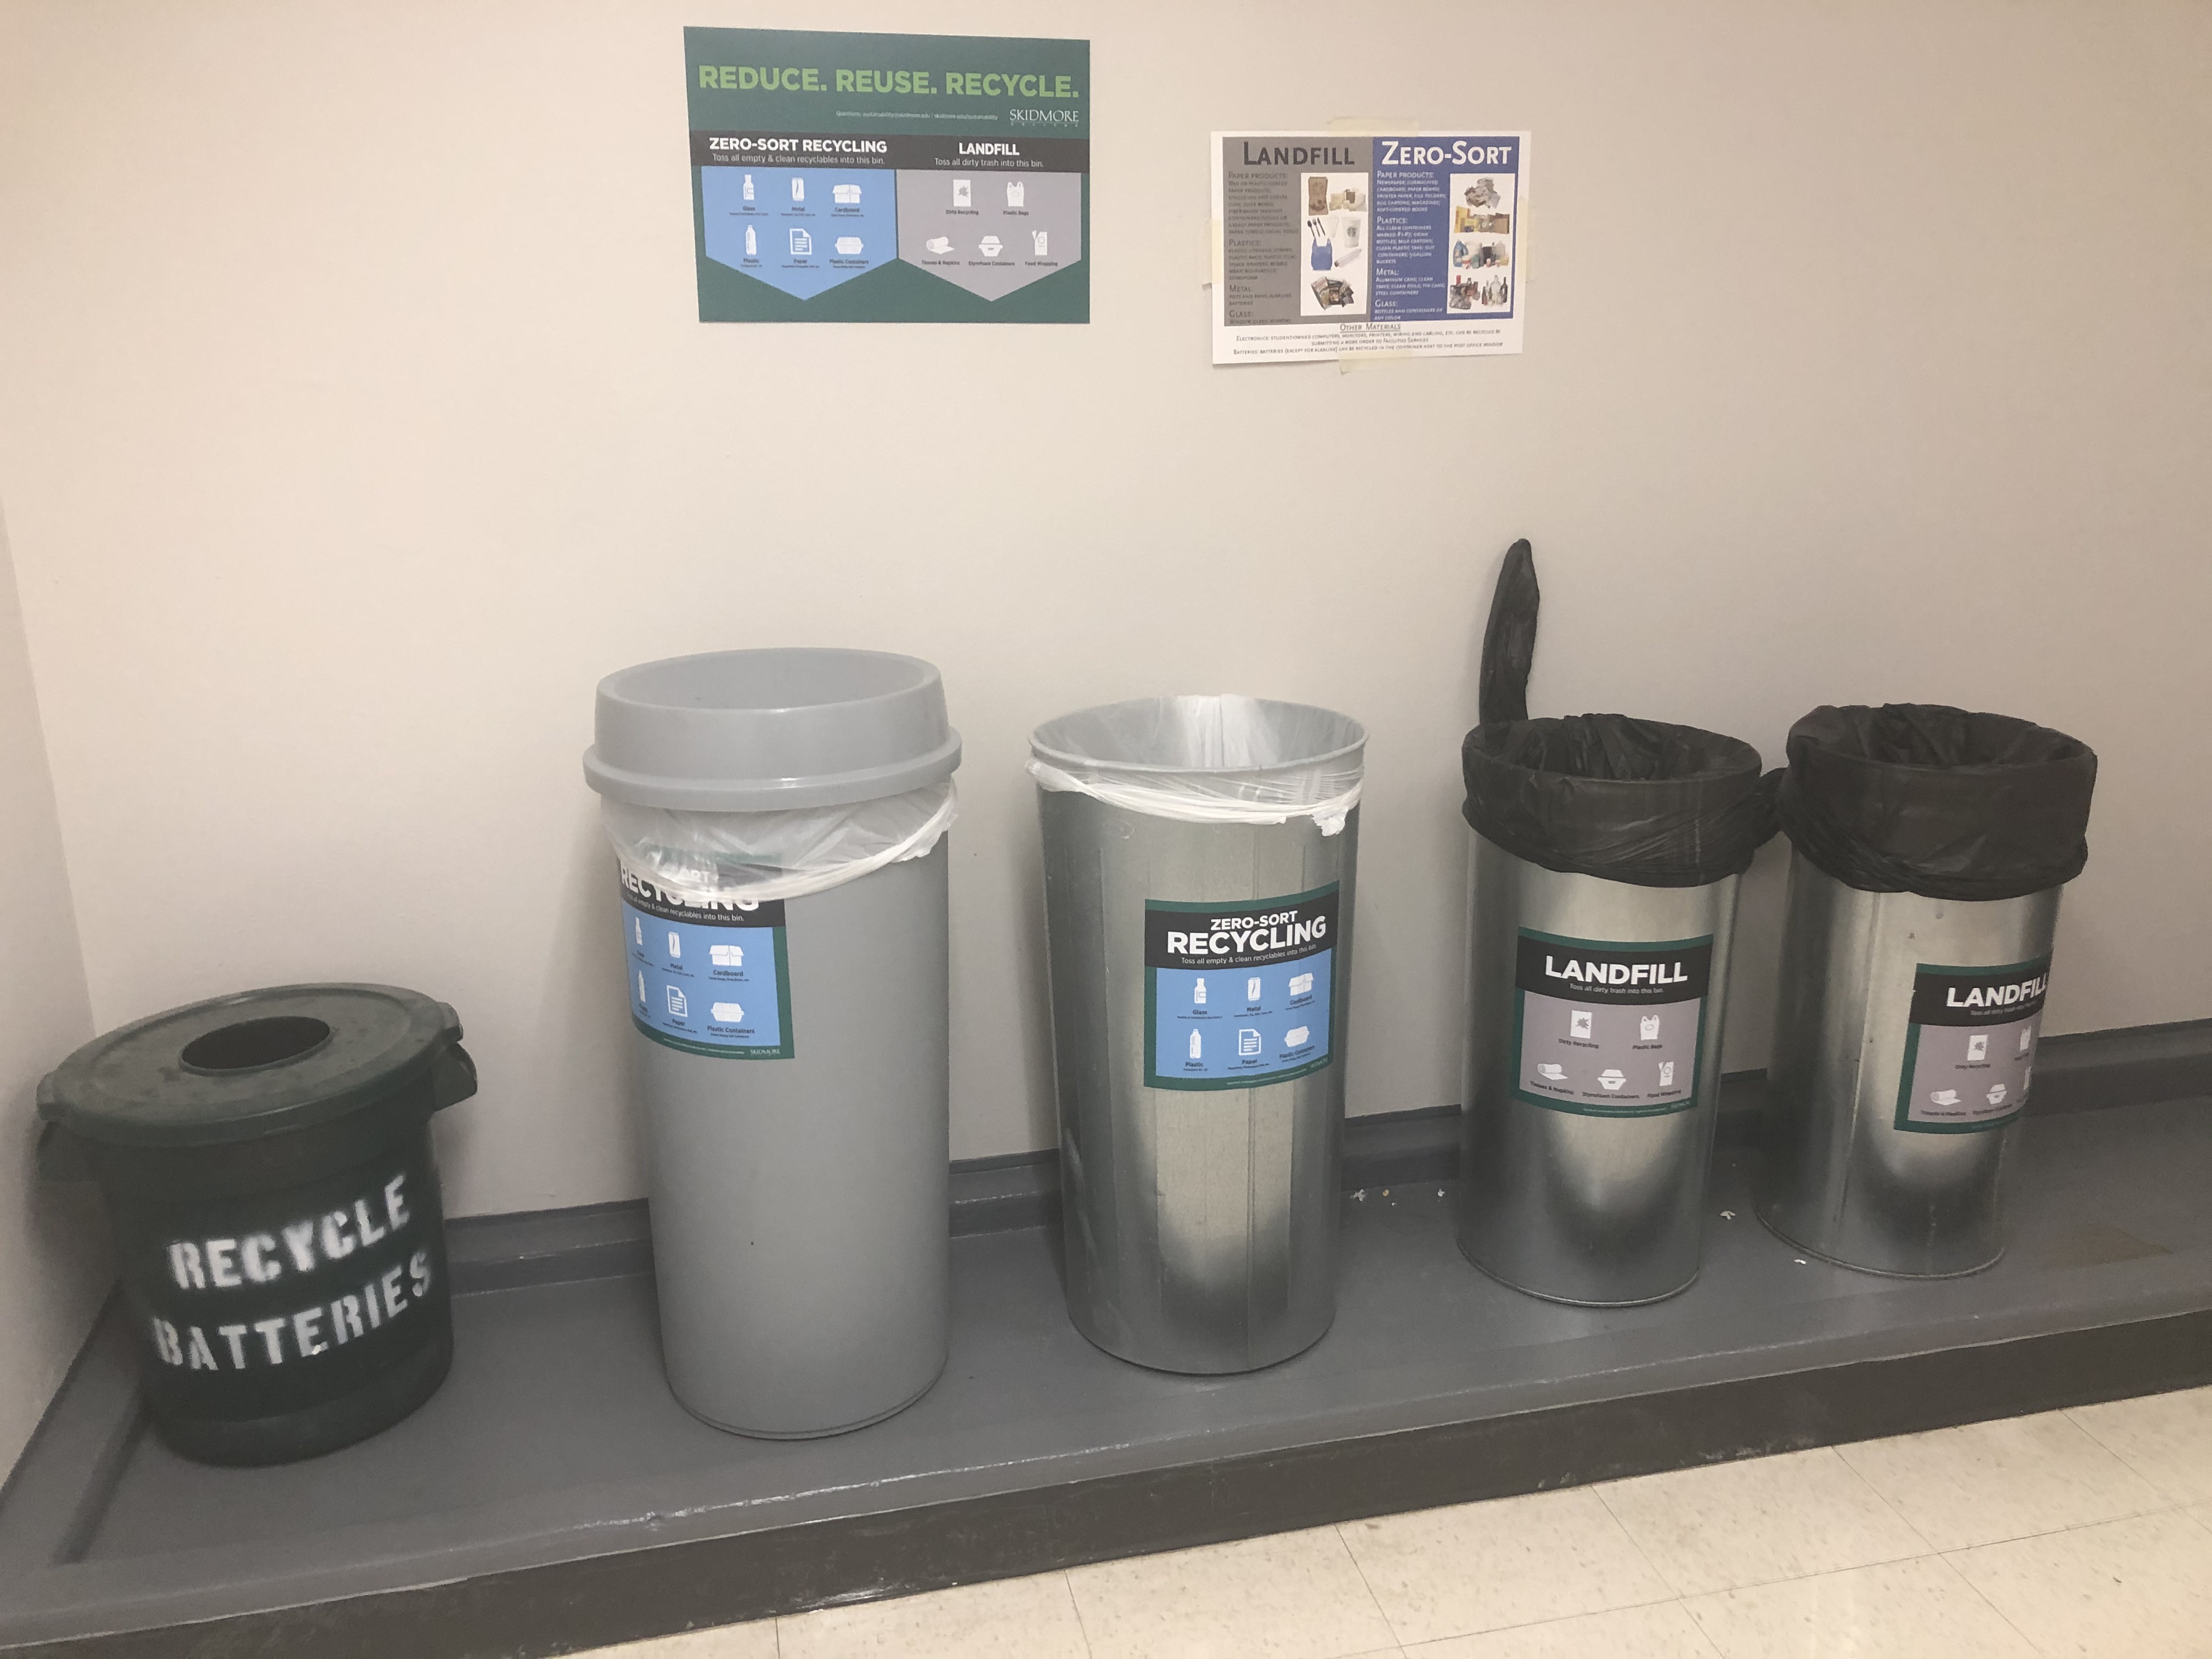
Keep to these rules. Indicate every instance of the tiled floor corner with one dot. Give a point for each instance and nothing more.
(2077, 1534)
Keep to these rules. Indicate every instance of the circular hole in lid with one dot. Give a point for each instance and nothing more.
(253, 1043)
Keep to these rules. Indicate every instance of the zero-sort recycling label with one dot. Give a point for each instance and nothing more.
(1971, 1046)
(708, 976)
(1609, 1028)
(1239, 994)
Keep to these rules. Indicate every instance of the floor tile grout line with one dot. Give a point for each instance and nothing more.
(2150, 1479)
(2029, 1636)
(1380, 1611)
(1068, 1583)
(1927, 1546)
(1634, 1542)
(1698, 1625)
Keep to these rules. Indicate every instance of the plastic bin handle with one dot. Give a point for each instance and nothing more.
(453, 1078)
(62, 1155)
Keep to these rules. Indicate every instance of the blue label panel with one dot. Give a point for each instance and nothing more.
(715, 983)
(1239, 994)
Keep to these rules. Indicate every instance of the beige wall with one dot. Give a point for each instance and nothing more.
(53, 1260)
(354, 421)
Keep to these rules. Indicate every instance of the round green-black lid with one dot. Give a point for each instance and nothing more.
(258, 1063)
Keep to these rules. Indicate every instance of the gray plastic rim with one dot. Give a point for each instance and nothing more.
(779, 793)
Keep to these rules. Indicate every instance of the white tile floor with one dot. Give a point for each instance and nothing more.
(2085, 1533)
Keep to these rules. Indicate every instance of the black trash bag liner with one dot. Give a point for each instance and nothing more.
(1921, 798)
(1632, 800)
(1638, 801)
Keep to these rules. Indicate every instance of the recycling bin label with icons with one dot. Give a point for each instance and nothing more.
(1971, 1046)
(1240, 994)
(708, 977)
(1609, 1028)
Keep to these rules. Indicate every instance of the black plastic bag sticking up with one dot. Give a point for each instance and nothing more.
(1630, 800)
(1919, 798)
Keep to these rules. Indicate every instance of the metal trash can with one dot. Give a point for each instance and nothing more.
(269, 1180)
(1604, 857)
(1200, 855)
(779, 818)
(1930, 847)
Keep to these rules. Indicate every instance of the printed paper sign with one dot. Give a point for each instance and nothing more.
(1238, 995)
(709, 978)
(1338, 246)
(1609, 1028)
(1971, 1047)
(889, 177)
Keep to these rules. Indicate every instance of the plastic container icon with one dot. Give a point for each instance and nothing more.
(781, 816)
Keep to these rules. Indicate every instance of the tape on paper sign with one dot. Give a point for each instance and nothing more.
(1971, 1047)
(708, 976)
(1238, 995)
(1609, 1028)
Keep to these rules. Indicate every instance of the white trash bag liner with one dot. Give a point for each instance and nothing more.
(1207, 760)
(781, 855)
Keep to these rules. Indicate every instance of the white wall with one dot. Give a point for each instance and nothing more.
(53, 1258)
(354, 421)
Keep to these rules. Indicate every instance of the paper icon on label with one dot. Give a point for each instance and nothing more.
(1997, 1094)
(727, 955)
(1578, 1021)
(676, 1004)
(1609, 1079)
(1247, 1043)
(1015, 191)
(939, 245)
(1251, 990)
(676, 946)
(1195, 1046)
(848, 246)
(845, 195)
(1666, 1073)
(728, 1013)
(1945, 1097)
(962, 193)
(1296, 1036)
(1649, 1027)
(1977, 1046)
(991, 247)
(801, 244)
(1552, 1073)
(1301, 985)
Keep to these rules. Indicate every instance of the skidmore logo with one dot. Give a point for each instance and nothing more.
(1044, 117)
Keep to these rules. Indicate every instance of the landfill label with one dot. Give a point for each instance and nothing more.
(708, 976)
(1334, 245)
(1609, 1028)
(1970, 1049)
(889, 177)
(1241, 993)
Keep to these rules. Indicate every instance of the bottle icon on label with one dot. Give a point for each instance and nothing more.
(678, 1004)
(1649, 1026)
(1296, 1038)
(1198, 994)
(1196, 1047)
(1578, 1021)
(1977, 1046)
(675, 946)
(1251, 990)
(748, 187)
(1247, 1043)
(752, 244)
(640, 927)
(1666, 1073)
(964, 192)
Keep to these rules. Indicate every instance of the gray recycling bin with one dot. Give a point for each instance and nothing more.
(1930, 845)
(779, 818)
(1605, 858)
(1199, 856)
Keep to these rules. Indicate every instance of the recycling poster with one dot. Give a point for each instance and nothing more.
(889, 177)
(1333, 245)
